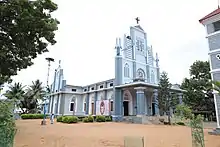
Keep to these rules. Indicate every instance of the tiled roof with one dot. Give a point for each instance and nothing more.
(217, 11)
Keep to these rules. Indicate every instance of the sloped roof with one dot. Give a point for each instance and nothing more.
(139, 27)
(217, 11)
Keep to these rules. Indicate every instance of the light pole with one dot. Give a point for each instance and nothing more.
(43, 122)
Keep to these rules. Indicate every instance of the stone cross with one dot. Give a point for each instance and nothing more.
(137, 19)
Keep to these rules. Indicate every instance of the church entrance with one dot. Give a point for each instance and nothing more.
(153, 109)
(126, 108)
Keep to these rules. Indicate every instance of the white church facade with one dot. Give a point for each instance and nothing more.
(132, 92)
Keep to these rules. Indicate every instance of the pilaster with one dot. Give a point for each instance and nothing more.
(140, 96)
(95, 99)
(156, 102)
(51, 111)
(118, 102)
(57, 106)
(87, 104)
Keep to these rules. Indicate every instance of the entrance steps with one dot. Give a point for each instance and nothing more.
(142, 120)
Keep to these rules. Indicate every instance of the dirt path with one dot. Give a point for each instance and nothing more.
(32, 134)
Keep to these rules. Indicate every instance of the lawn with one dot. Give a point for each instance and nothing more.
(31, 134)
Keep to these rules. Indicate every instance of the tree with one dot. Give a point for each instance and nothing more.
(26, 30)
(26, 99)
(16, 92)
(199, 92)
(166, 99)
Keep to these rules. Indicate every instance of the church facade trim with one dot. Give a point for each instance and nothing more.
(132, 92)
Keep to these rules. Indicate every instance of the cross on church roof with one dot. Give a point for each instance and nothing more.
(137, 19)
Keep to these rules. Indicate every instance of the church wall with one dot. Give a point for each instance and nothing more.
(130, 66)
(73, 89)
(91, 100)
(54, 104)
(109, 84)
(110, 94)
(143, 67)
(100, 95)
(153, 75)
(78, 106)
(84, 96)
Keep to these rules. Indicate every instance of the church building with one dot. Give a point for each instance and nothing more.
(132, 92)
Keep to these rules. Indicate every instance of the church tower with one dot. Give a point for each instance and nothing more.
(212, 25)
(134, 58)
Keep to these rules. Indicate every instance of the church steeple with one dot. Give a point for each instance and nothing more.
(118, 46)
(157, 60)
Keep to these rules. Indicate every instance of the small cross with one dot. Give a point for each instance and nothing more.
(137, 19)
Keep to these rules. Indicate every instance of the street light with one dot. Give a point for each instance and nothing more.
(43, 122)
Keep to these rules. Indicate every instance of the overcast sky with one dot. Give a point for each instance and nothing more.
(88, 30)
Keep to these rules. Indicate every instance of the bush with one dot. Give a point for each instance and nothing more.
(59, 118)
(90, 118)
(108, 118)
(32, 116)
(85, 120)
(69, 119)
(100, 118)
(180, 123)
(7, 124)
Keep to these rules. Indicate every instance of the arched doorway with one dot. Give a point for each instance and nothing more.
(127, 103)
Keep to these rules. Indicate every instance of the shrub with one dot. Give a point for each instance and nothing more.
(32, 116)
(85, 120)
(180, 123)
(59, 118)
(90, 118)
(7, 124)
(108, 118)
(70, 119)
(100, 118)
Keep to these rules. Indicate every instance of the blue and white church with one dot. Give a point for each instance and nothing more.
(132, 92)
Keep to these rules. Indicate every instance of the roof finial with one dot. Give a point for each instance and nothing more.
(137, 19)
(218, 4)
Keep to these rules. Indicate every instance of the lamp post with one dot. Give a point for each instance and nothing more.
(43, 122)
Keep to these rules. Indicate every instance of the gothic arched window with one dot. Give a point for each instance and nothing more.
(72, 104)
(152, 77)
(140, 73)
(126, 70)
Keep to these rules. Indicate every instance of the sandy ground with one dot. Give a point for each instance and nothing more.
(32, 134)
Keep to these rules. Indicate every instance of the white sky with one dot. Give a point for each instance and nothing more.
(88, 30)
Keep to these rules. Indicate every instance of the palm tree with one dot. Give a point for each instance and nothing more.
(16, 94)
(34, 93)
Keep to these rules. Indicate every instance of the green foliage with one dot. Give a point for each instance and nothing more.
(165, 99)
(108, 118)
(183, 111)
(26, 99)
(180, 123)
(196, 124)
(100, 118)
(85, 120)
(216, 86)
(25, 34)
(90, 118)
(32, 116)
(7, 124)
(70, 119)
(59, 118)
(199, 92)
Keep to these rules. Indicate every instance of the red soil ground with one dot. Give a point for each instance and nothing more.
(31, 134)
